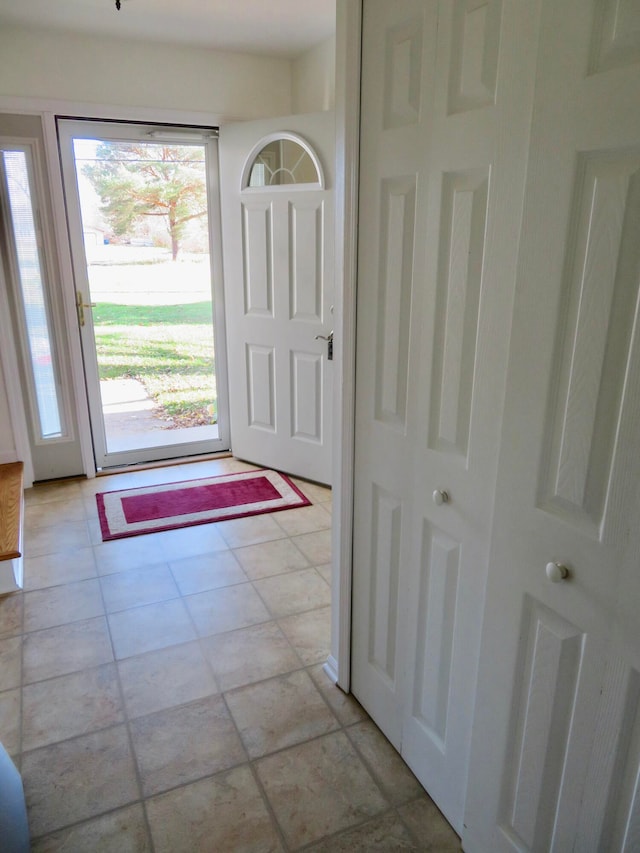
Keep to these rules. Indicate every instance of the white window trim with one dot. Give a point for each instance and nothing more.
(31, 148)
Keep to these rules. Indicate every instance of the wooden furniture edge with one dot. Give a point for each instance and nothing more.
(11, 489)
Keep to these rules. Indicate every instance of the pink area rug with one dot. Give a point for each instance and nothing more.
(130, 512)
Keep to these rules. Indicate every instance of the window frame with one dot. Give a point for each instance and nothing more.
(279, 137)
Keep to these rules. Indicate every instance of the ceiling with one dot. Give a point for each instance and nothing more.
(278, 27)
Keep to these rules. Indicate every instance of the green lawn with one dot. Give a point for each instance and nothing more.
(168, 348)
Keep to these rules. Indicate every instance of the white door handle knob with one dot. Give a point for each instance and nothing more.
(556, 572)
(440, 497)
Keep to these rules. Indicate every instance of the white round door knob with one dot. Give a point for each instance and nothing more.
(556, 572)
(440, 497)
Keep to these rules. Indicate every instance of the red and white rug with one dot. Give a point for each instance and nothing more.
(131, 512)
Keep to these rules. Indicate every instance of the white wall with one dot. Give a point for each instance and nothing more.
(313, 79)
(86, 69)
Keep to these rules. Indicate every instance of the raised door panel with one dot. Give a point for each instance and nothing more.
(463, 220)
(616, 35)
(548, 665)
(474, 54)
(306, 396)
(386, 536)
(403, 50)
(394, 299)
(257, 251)
(583, 480)
(306, 259)
(261, 387)
(610, 811)
(439, 579)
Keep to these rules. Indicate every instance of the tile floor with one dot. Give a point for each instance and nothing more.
(166, 692)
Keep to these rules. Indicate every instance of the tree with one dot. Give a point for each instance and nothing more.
(135, 180)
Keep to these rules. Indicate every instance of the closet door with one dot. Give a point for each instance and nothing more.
(556, 750)
(446, 101)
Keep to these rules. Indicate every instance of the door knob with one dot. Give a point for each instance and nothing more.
(440, 497)
(556, 572)
(329, 339)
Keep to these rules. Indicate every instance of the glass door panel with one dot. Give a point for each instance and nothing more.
(145, 225)
(33, 308)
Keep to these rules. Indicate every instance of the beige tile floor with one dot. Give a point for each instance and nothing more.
(166, 692)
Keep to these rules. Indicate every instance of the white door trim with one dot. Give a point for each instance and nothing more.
(348, 38)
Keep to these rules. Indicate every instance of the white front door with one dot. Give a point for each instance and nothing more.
(277, 213)
(446, 101)
(556, 748)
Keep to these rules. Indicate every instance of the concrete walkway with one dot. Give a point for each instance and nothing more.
(130, 424)
(127, 408)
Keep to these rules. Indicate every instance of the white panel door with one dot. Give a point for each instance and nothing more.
(556, 748)
(446, 102)
(278, 265)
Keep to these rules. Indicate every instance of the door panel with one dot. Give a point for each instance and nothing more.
(442, 177)
(555, 756)
(262, 387)
(279, 285)
(153, 348)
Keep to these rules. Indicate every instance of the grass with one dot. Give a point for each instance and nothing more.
(168, 348)
(110, 314)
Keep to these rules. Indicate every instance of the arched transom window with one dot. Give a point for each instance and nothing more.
(283, 160)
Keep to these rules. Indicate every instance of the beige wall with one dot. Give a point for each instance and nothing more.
(86, 69)
(313, 79)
